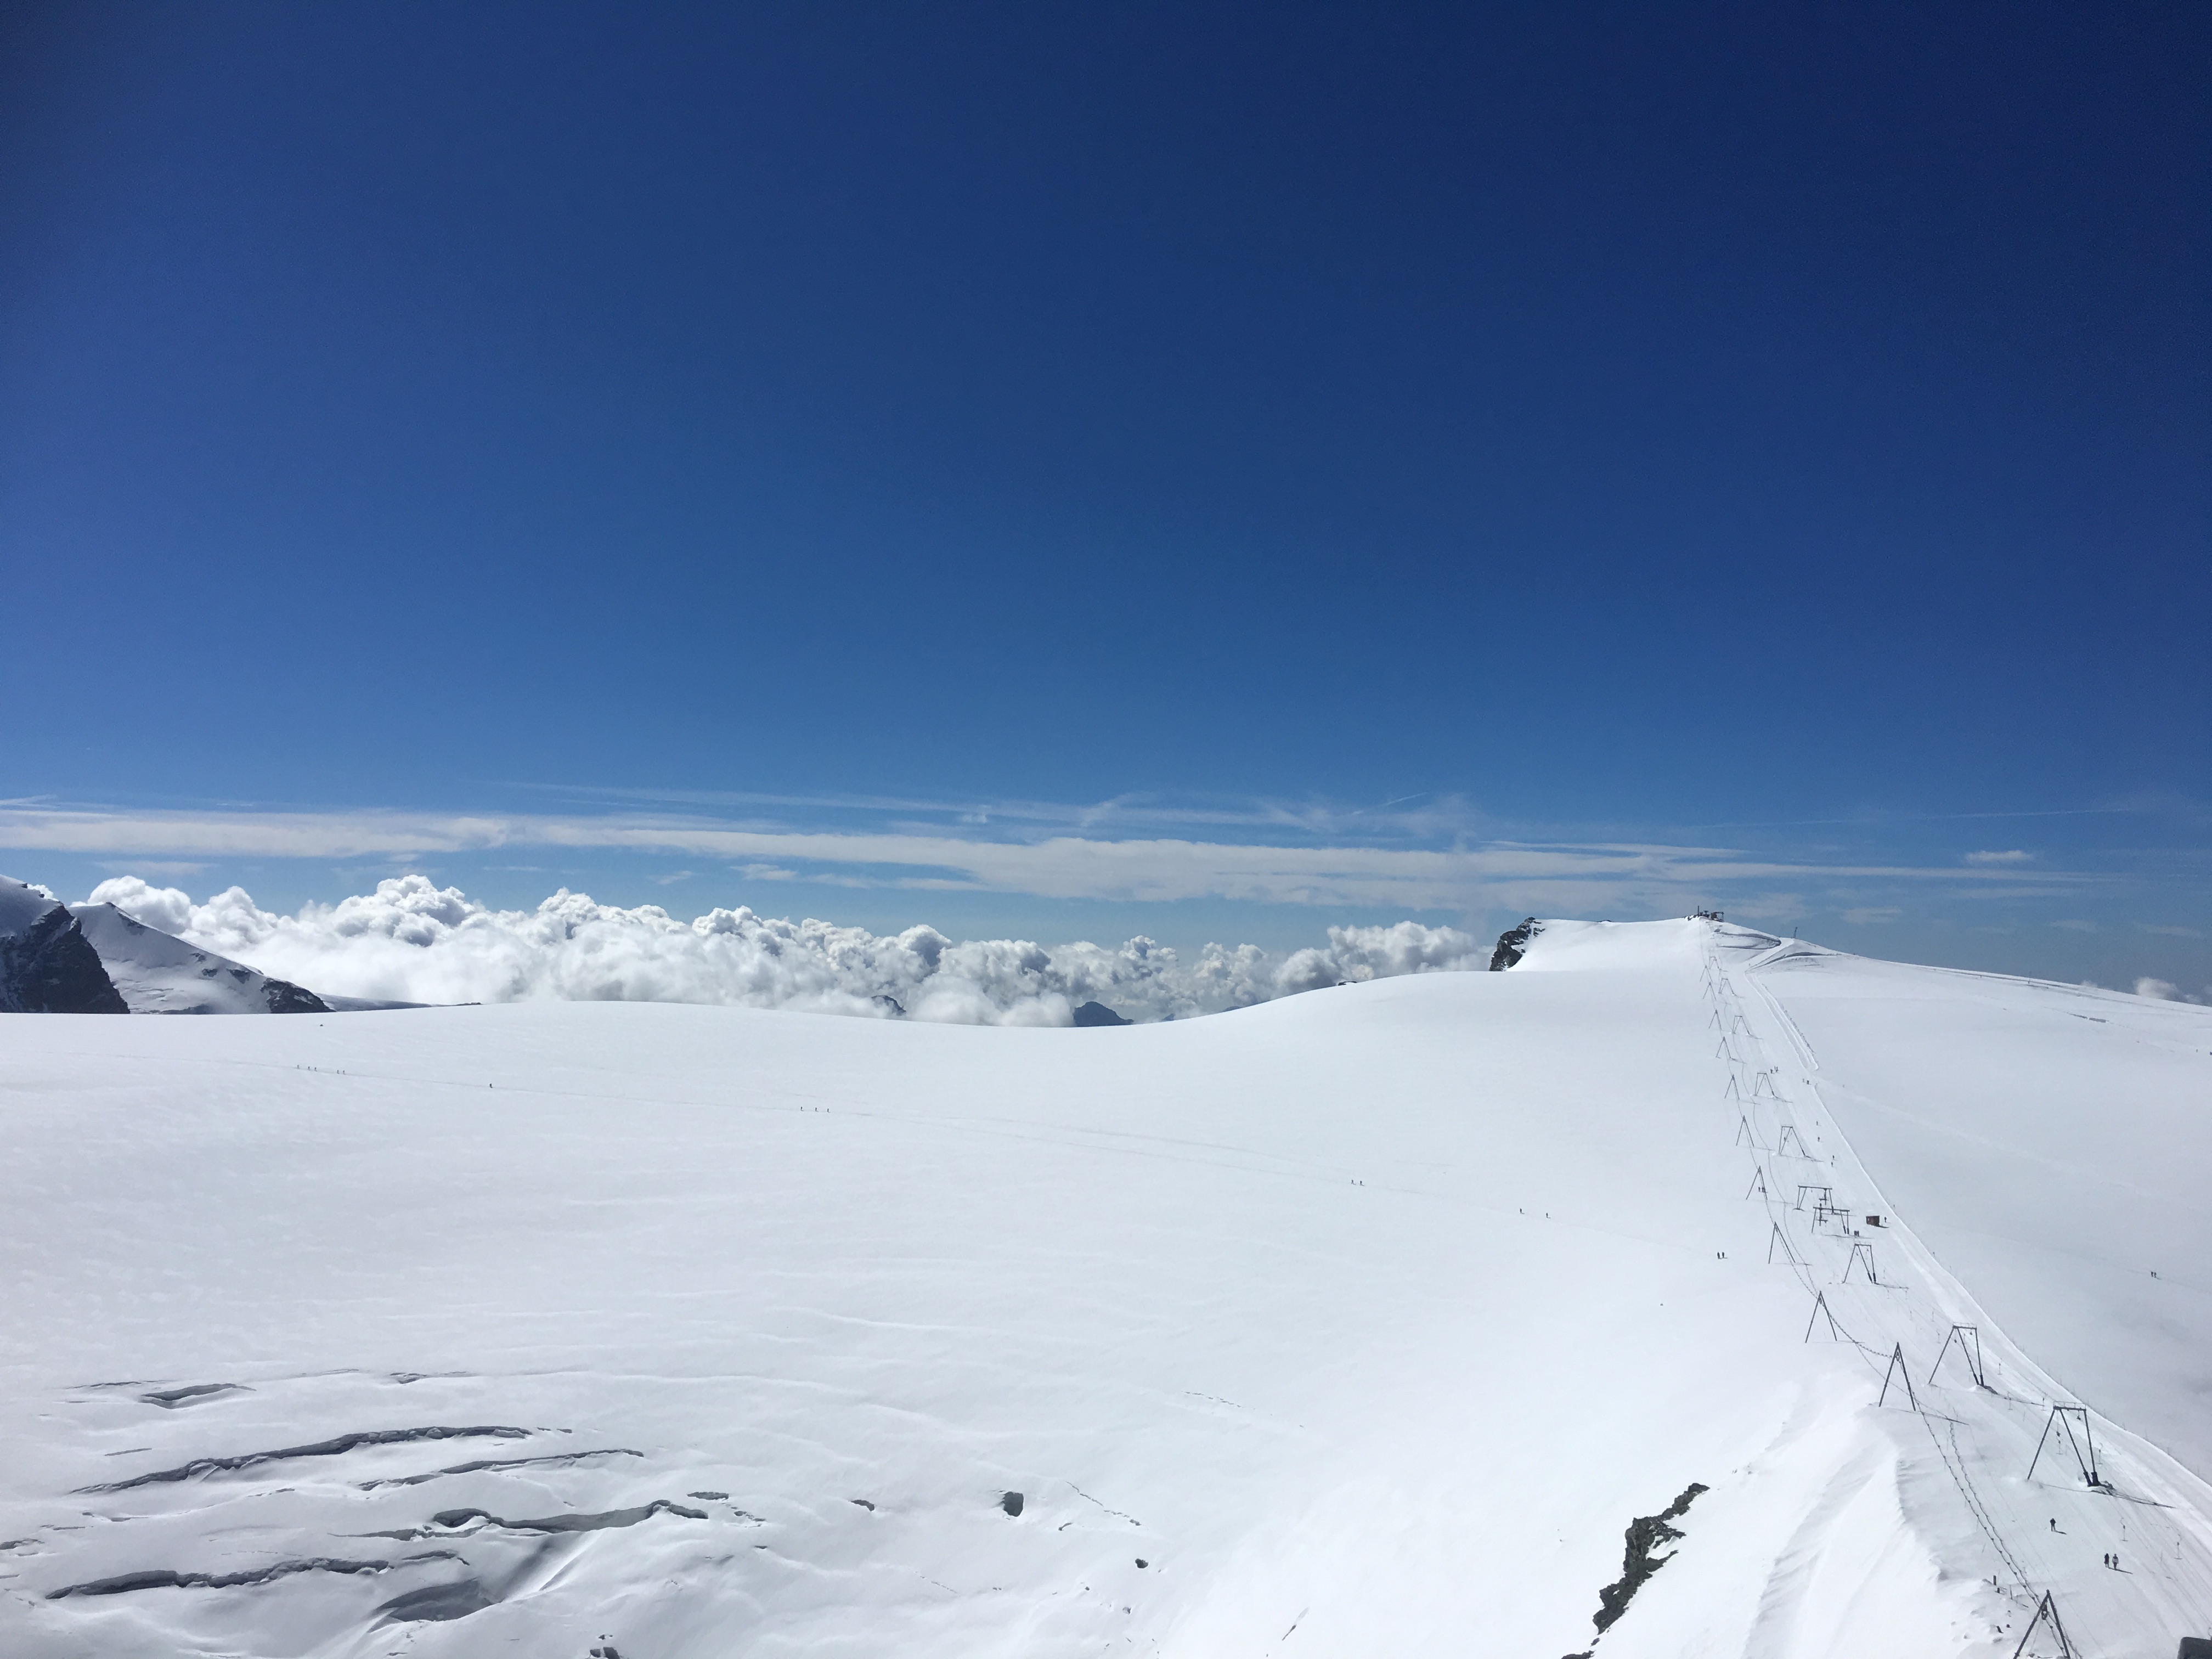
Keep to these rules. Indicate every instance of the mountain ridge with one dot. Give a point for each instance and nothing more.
(96, 958)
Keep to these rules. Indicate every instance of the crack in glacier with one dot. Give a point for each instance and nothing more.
(343, 1443)
(169, 1578)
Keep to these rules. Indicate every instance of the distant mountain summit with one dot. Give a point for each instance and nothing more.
(97, 960)
(47, 966)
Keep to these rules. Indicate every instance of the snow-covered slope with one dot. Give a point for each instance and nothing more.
(159, 974)
(2052, 1145)
(1364, 1321)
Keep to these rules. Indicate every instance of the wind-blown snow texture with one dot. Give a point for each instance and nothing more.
(1359, 1322)
(411, 941)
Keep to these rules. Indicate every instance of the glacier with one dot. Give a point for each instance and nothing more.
(1371, 1319)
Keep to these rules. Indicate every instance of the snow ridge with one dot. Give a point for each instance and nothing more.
(1872, 1285)
(159, 974)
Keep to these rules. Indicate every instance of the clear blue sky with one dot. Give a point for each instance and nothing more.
(1781, 431)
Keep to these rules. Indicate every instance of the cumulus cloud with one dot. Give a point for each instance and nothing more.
(164, 908)
(413, 941)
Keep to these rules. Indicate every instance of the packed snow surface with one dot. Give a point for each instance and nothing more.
(1363, 1321)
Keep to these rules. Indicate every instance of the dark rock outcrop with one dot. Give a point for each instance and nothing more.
(47, 966)
(1098, 1013)
(1513, 945)
(286, 998)
(1646, 1534)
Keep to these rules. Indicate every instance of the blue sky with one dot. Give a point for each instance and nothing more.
(1209, 471)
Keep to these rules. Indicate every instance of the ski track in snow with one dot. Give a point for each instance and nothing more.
(1363, 1321)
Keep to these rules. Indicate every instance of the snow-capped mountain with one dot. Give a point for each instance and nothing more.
(159, 974)
(47, 966)
(1677, 1291)
(94, 959)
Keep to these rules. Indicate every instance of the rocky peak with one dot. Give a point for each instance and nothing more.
(1513, 945)
(47, 966)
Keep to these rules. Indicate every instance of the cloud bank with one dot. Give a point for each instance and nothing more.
(413, 941)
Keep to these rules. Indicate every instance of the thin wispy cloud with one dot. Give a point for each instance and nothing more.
(1123, 815)
(1308, 869)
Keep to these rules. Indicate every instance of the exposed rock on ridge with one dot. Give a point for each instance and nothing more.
(47, 966)
(1646, 1534)
(1513, 945)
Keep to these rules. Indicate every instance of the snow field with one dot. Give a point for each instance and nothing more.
(1363, 1320)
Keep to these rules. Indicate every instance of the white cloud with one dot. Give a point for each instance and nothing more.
(413, 941)
(2164, 990)
(2015, 856)
(168, 908)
